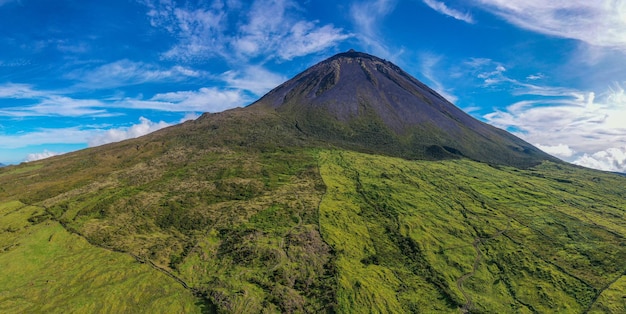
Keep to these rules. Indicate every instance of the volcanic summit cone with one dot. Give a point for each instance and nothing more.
(358, 101)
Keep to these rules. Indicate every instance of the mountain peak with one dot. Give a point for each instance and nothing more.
(354, 54)
(360, 101)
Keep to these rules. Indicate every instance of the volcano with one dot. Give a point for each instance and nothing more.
(351, 188)
(359, 101)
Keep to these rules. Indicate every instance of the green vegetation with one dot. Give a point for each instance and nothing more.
(47, 269)
(205, 217)
(238, 228)
(439, 236)
(271, 209)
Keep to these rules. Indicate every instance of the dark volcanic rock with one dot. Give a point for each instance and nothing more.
(357, 100)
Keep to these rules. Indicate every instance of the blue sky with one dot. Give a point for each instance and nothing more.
(76, 74)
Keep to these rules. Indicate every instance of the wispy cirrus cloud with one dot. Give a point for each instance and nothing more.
(206, 99)
(199, 31)
(270, 29)
(428, 64)
(306, 38)
(47, 103)
(42, 136)
(599, 23)
(367, 16)
(18, 91)
(56, 104)
(444, 9)
(255, 79)
(493, 74)
(127, 73)
(534, 77)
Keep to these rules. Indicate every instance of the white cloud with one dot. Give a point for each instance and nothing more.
(126, 72)
(15, 63)
(52, 104)
(270, 29)
(144, 127)
(534, 77)
(560, 150)
(444, 9)
(75, 48)
(18, 91)
(267, 21)
(91, 135)
(256, 79)
(189, 116)
(489, 72)
(493, 77)
(305, 38)
(599, 23)
(55, 105)
(612, 159)
(48, 103)
(203, 100)
(38, 156)
(42, 136)
(199, 31)
(367, 16)
(492, 74)
(586, 122)
(428, 63)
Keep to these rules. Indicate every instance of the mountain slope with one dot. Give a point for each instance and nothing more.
(441, 236)
(256, 210)
(47, 269)
(359, 101)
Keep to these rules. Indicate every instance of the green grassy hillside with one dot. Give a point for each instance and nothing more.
(181, 225)
(439, 236)
(46, 269)
(238, 227)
